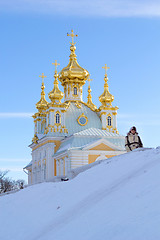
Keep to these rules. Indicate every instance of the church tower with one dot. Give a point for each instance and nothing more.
(107, 112)
(72, 133)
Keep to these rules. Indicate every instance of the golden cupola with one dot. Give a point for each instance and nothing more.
(73, 76)
(73, 71)
(42, 105)
(56, 95)
(106, 98)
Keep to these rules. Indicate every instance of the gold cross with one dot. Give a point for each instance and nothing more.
(72, 35)
(105, 67)
(56, 64)
(42, 77)
(89, 80)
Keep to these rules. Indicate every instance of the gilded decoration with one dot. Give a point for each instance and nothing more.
(73, 72)
(55, 95)
(78, 105)
(109, 121)
(35, 139)
(89, 97)
(82, 120)
(42, 105)
(57, 118)
(106, 98)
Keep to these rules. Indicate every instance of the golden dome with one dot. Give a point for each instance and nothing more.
(73, 71)
(106, 98)
(42, 104)
(56, 95)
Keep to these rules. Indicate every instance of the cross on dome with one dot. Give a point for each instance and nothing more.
(42, 77)
(72, 35)
(89, 80)
(55, 64)
(106, 68)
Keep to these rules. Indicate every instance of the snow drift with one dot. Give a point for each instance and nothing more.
(118, 199)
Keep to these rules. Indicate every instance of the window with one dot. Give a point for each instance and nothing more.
(82, 120)
(57, 118)
(109, 121)
(75, 91)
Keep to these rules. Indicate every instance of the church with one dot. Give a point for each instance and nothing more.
(72, 133)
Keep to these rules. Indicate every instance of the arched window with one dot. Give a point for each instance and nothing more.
(75, 91)
(57, 118)
(109, 121)
(42, 127)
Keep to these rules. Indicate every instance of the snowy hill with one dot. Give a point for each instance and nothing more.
(118, 199)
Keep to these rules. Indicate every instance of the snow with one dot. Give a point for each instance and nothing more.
(118, 199)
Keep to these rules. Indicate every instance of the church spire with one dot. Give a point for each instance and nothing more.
(55, 95)
(89, 97)
(106, 98)
(42, 105)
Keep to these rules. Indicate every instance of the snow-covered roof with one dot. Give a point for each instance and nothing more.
(29, 165)
(97, 132)
(88, 136)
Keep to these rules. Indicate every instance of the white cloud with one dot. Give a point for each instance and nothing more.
(104, 8)
(15, 115)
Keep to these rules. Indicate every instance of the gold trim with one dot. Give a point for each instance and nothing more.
(40, 145)
(77, 104)
(57, 124)
(102, 113)
(107, 108)
(82, 115)
(109, 126)
(114, 113)
(51, 110)
(75, 95)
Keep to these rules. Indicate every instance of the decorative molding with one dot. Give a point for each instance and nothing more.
(82, 116)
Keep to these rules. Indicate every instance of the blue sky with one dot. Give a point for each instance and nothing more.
(123, 34)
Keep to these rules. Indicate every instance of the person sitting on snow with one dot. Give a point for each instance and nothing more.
(132, 140)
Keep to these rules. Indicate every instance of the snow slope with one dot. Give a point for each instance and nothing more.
(118, 199)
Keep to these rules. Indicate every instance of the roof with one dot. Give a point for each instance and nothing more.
(83, 138)
(29, 165)
(97, 132)
(73, 113)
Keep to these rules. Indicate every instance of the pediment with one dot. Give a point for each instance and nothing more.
(102, 145)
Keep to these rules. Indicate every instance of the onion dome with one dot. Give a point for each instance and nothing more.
(56, 95)
(106, 98)
(73, 71)
(42, 105)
